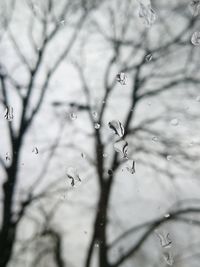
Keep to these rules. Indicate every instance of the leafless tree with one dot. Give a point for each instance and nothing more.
(45, 22)
(148, 56)
(153, 105)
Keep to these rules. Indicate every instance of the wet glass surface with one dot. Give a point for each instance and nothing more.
(99, 133)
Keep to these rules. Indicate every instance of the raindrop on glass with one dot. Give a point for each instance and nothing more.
(155, 138)
(174, 122)
(121, 78)
(73, 175)
(117, 127)
(169, 157)
(148, 57)
(121, 146)
(110, 172)
(147, 14)
(165, 240)
(167, 215)
(131, 166)
(35, 150)
(94, 114)
(195, 40)
(62, 22)
(73, 116)
(83, 155)
(9, 113)
(96, 244)
(97, 125)
(8, 158)
(168, 258)
(194, 7)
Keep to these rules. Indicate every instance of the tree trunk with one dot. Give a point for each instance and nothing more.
(8, 228)
(100, 226)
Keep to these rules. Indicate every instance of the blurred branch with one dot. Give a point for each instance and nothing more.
(6, 104)
(171, 85)
(173, 215)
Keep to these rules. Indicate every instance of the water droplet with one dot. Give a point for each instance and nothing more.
(110, 172)
(147, 14)
(97, 125)
(72, 116)
(105, 155)
(165, 240)
(195, 39)
(9, 113)
(35, 150)
(148, 57)
(117, 127)
(155, 138)
(121, 146)
(8, 158)
(96, 244)
(167, 215)
(174, 122)
(194, 7)
(191, 143)
(169, 157)
(121, 78)
(168, 258)
(62, 22)
(83, 155)
(131, 166)
(94, 114)
(73, 175)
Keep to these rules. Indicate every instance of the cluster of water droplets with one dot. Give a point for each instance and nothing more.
(166, 244)
(147, 13)
(121, 145)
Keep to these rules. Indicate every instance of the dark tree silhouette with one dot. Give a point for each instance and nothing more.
(148, 56)
(50, 21)
(143, 74)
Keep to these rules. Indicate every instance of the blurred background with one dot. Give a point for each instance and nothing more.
(99, 133)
